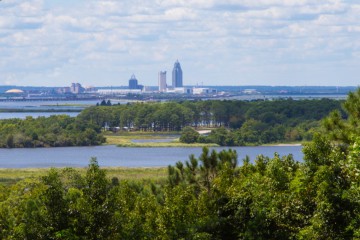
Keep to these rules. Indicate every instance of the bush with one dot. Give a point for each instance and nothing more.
(189, 135)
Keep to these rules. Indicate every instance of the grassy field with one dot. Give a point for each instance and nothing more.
(11, 176)
(125, 140)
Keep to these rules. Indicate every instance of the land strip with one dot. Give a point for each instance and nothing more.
(156, 174)
(126, 140)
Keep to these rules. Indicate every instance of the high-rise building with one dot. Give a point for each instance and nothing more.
(133, 82)
(177, 77)
(76, 88)
(162, 81)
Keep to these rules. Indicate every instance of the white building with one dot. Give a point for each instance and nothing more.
(162, 81)
(200, 91)
(250, 91)
(180, 90)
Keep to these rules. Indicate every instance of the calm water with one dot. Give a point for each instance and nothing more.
(124, 157)
(23, 115)
(295, 97)
(48, 104)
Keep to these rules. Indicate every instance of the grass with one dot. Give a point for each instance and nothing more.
(155, 174)
(125, 140)
(11, 176)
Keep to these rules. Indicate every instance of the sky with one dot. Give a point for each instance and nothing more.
(217, 42)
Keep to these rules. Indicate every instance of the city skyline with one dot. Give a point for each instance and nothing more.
(225, 42)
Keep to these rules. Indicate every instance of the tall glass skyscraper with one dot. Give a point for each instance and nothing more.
(177, 77)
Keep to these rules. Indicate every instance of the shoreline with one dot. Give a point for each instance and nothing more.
(283, 145)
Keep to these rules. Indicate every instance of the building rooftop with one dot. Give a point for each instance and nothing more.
(14, 91)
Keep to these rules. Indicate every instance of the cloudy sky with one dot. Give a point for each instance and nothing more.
(218, 42)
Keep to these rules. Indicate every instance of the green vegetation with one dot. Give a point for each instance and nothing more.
(189, 135)
(12, 176)
(54, 131)
(126, 139)
(209, 197)
(234, 122)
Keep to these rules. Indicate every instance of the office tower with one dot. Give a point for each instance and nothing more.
(177, 78)
(76, 88)
(133, 82)
(162, 81)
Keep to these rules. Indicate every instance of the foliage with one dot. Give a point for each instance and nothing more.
(53, 131)
(246, 122)
(189, 135)
(208, 197)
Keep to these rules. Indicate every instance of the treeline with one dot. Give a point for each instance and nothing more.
(246, 122)
(53, 131)
(209, 197)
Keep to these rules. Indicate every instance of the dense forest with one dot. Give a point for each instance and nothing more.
(53, 131)
(206, 197)
(234, 122)
(239, 122)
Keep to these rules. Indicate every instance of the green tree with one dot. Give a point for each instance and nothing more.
(189, 135)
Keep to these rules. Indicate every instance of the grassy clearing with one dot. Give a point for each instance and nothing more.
(11, 176)
(126, 141)
(154, 174)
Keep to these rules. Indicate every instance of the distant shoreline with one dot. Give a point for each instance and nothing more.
(283, 145)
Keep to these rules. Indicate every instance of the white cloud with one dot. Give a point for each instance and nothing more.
(64, 40)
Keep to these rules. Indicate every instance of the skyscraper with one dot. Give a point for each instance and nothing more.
(177, 78)
(76, 88)
(133, 82)
(162, 81)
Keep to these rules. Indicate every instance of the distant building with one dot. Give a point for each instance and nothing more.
(76, 88)
(177, 76)
(133, 82)
(63, 90)
(14, 91)
(180, 90)
(90, 89)
(117, 92)
(201, 91)
(250, 91)
(148, 89)
(162, 81)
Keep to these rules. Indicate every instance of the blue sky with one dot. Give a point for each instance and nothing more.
(218, 42)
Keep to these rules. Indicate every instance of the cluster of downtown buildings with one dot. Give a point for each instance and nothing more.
(78, 91)
(135, 88)
(176, 86)
(177, 80)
